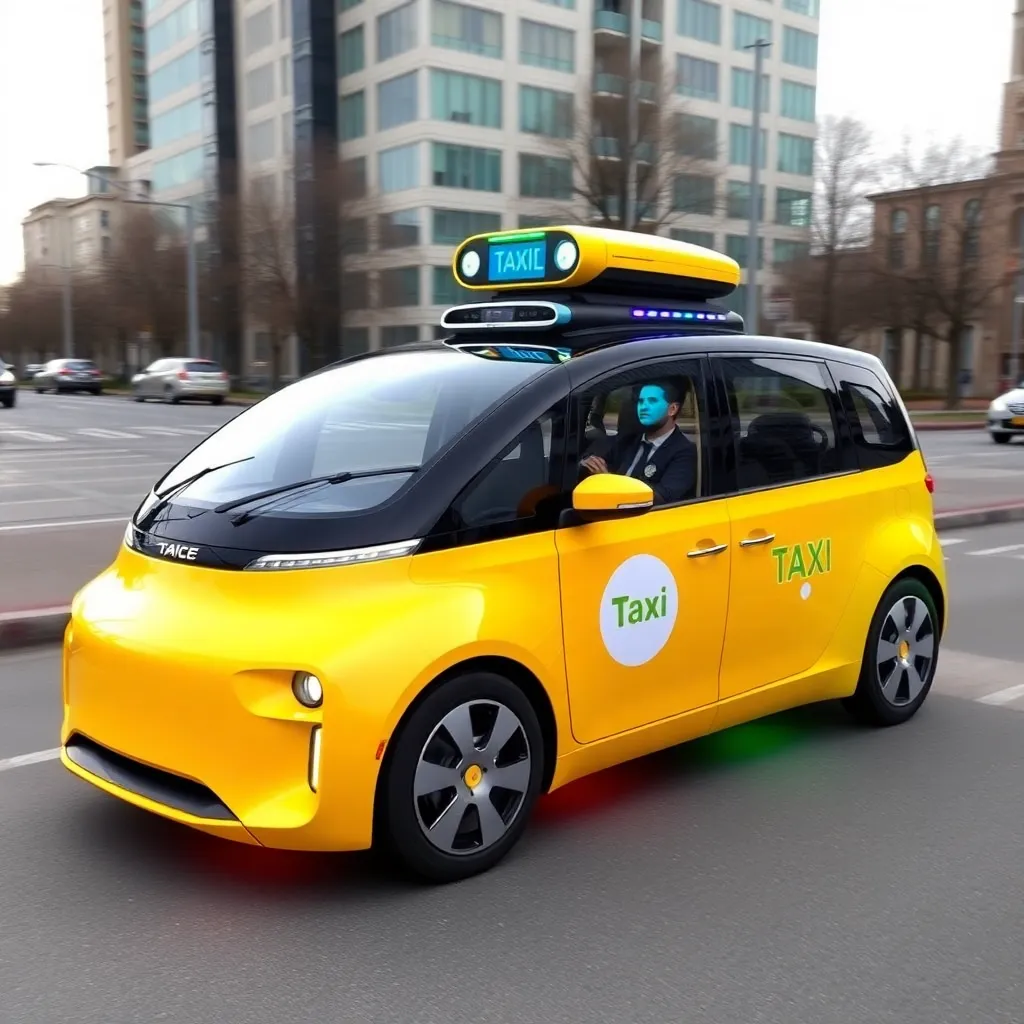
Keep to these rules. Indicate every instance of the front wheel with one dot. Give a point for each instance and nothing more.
(9, 401)
(462, 779)
(900, 656)
(1001, 438)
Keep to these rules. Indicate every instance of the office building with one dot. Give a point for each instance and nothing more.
(124, 45)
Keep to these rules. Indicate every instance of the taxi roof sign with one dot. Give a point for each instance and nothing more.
(569, 257)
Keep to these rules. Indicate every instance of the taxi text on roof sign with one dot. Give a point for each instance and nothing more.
(600, 259)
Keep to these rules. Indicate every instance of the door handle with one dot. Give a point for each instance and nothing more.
(716, 549)
(750, 542)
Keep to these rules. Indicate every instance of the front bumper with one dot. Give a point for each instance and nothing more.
(178, 700)
(202, 389)
(1005, 422)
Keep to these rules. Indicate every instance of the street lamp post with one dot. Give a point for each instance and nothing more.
(192, 262)
(630, 212)
(755, 187)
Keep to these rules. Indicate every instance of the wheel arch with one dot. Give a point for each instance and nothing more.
(930, 582)
(517, 674)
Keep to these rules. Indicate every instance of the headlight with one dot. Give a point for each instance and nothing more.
(308, 690)
(6, 377)
(998, 405)
(129, 535)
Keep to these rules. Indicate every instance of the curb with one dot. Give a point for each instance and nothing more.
(45, 626)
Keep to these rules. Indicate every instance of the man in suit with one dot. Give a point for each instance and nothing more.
(662, 456)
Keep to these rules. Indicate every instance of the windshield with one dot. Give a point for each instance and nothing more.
(80, 364)
(202, 366)
(390, 411)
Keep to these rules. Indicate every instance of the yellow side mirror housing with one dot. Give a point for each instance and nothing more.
(610, 496)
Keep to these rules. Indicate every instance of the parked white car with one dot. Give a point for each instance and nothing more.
(1006, 415)
(172, 380)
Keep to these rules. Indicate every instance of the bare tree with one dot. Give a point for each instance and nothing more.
(675, 156)
(30, 327)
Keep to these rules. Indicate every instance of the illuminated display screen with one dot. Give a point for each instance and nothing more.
(517, 261)
(515, 354)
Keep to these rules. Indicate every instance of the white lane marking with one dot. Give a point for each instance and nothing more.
(167, 431)
(1011, 693)
(32, 435)
(21, 760)
(35, 613)
(103, 433)
(62, 524)
(998, 551)
(948, 541)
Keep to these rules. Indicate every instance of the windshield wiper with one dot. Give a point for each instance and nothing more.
(163, 499)
(330, 478)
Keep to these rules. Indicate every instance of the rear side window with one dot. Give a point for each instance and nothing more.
(881, 435)
(202, 366)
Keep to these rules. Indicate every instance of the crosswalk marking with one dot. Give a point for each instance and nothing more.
(1000, 697)
(33, 435)
(998, 551)
(950, 541)
(104, 433)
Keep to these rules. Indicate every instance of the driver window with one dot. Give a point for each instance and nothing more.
(784, 420)
(647, 423)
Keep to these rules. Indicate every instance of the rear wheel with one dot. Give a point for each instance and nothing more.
(1001, 438)
(900, 656)
(462, 779)
(170, 397)
(218, 400)
(8, 400)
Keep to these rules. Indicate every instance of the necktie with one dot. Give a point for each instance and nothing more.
(645, 453)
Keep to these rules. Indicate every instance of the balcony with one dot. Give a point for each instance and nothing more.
(605, 148)
(611, 21)
(648, 92)
(651, 30)
(609, 85)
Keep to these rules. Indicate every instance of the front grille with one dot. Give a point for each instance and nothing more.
(1017, 408)
(153, 783)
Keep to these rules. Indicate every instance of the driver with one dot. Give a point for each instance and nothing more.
(662, 456)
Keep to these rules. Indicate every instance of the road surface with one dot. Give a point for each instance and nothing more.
(796, 870)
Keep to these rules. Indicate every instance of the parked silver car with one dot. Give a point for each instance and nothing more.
(64, 375)
(8, 385)
(171, 380)
(1006, 415)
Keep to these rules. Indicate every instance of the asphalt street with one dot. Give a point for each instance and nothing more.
(73, 468)
(798, 870)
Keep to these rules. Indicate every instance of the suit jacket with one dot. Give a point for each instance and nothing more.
(674, 461)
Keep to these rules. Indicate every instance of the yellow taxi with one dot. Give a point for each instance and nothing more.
(395, 602)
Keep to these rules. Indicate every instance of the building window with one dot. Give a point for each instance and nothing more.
(932, 235)
(696, 78)
(104, 219)
(453, 226)
(353, 177)
(546, 46)
(352, 116)
(400, 286)
(545, 177)
(741, 138)
(737, 248)
(398, 230)
(706, 239)
(747, 30)
(737, 205)
(259, 86)
(351, 51)
(697, 19)
(178, 170)
(694, 193)
(796, 155)
(785, 250)
(465, 99)
(347, 5)
(743, 90)
(808, 7)
(105, 247)
(286, 76)
(260, 141)
(398, 101)
(399, 168)
(176, 123)
(399, 334)
(792, 208)
(799, 48)
(355, 289)
(697, 136)
(259, 30)
(798, 101)
(354, 340)
(182, 22)
(446, 291)
(179, 74)
(466, 167)
(972, 229)
(568, 5)
(397, 31)
(897, 238)
(355, 237)
(461, 27)
(546, 112)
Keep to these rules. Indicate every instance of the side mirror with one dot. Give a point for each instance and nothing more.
(610, 496)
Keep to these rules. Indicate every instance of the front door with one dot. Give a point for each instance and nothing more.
(644, 599)
(797, 521)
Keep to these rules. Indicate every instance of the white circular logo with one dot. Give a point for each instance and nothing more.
(638, 610)
(565, 255)
(470, 264)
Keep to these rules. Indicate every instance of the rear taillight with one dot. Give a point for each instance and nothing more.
(929, 482)
(223, 376)
(63, 373)
(182, 375)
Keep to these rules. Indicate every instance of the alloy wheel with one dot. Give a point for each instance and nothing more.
(906, 651)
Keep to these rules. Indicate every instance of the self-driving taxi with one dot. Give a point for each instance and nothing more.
(395, 602)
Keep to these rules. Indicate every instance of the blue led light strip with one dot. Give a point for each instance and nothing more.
(675, 314)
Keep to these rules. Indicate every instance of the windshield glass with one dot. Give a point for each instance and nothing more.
(393, 410)
(202, 366)
(80, 364)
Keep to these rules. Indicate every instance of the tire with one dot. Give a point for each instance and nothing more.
(1001, 438)
(9, 402)
(137, 396)
(95, 391)
(907, 685)
(219, 400)
(404, 820)
(40, 391)
(170, 397)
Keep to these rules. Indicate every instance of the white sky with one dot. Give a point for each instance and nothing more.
(933, 68)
